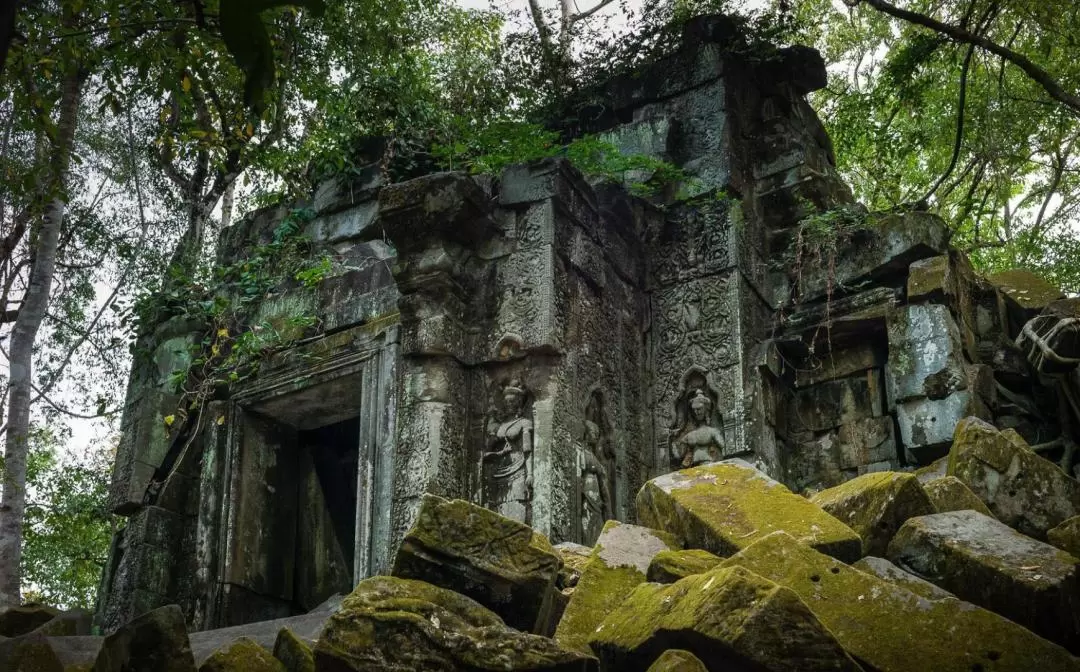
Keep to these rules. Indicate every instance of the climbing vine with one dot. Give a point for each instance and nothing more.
(234, 343)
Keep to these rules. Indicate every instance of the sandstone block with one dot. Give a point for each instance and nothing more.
(501, 563)
(889, 628)
(1026, 492)
(677, 660)
(389, 624)
(726, 506)
(30, 653)
(730, 618)
(948, 493)
(293, 652)
(618, 563)
(157, 640)
(885, 570)
(244, 655)
(1029, 290)
(1066, 536)
(22, 620)
(670, 566)
(984, 561)
(875, 506)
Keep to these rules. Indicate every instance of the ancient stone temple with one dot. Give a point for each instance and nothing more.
(542, 345)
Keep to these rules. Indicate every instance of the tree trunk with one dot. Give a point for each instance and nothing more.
(227, 204)
(23, 335)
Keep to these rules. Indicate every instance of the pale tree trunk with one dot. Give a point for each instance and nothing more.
(227, 200)
(23, 335)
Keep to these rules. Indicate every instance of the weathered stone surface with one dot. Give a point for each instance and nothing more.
(883, 569)
(926, 425)
(498, 562)
(936, 469)
(670, 566)
(389, 624)
(28, 654)
(293, 652)
(889, 628)
(619, 562)
(266, 634)
(677, 660)
(574, 557)
(875, 506)
(1066, 536)
(1029, 290)
(928, 278)
(22, 620)
(157, 640)
(925, 354)
(984, 561)
(728, 617)
(948, 493)
(726, 506)
(1023, 490)
(244, 655)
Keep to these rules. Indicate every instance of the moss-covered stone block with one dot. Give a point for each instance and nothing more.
(22, 620)
(1023, 490)
(875, 506)
(501, 563)
(726, 506)
(243, 655)
(730, 618)
(677, 660)
(670, 566)
(883, 569)
(889, 628)
(574, 557)
(28, 654)
(389, 624)
(1066, 536)
(984, 561)
(1030, 291)
(948, 493)
(619, 563)
(293, 652)
(157, 640)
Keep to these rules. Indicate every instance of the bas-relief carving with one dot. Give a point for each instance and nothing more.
(697, 436)
(598, 469)
(508, 464)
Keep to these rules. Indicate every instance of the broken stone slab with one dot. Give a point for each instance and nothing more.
(883, 569)
(243, 655)
(677, 660)
(925, 354)
(28, 653)
(889, 628)
(726, 506)
(265, 633)
(730, 618)
(293, 652)
(22, 620)
(984, 561)
(936, 469)
(875, 506)
(929, 278)
(619, 563)
(670, 566)
(389, 624)
(1066, 536)
(157, 640)
(501, 563)
(574, 557)
(948, 493)
(926, 425)
(1023, 490)
(1030, 291)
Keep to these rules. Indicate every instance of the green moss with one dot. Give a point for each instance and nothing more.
(670, 566)
(725, 507)
(890, 628)
(1066, 536)
(1026, 288)
(293, 652)
(677, 660)
(875, 505)
(949, 493)
(600, 589)
(245, 655)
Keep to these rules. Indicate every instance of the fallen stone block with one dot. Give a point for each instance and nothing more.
(293, 652)
(28, 653)
(574, 557)
(726, 506)
(244, 655)
(389, 624)
(619, 563)
(1066, 536)
(670, 566)
(1023, 490)
(883, 569)
(501, 563)
(875, 506)
(984, 561)
(889, 628)
(16, 621)
(948, 493)
(730, 618)
(157, 640)
(677, 660)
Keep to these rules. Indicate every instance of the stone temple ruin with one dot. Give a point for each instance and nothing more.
(543, 345)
